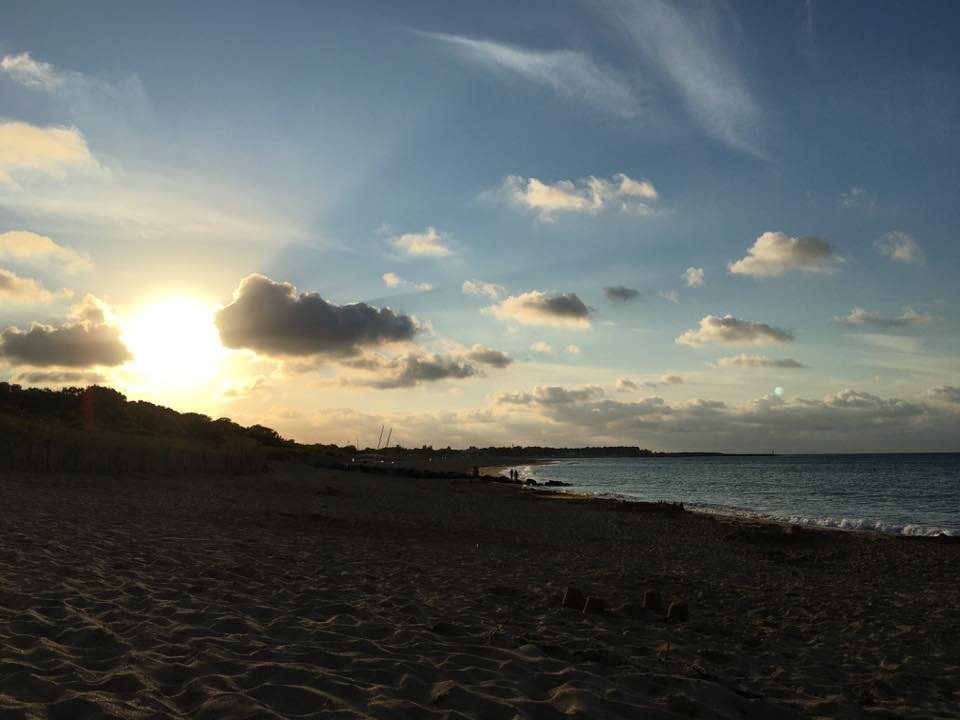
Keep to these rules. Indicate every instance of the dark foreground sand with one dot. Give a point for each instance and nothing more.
(308, 593)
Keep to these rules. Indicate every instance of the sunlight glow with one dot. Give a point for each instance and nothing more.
(175, 344)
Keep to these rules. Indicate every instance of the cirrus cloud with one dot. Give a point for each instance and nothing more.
(479, 287)
(28, 246)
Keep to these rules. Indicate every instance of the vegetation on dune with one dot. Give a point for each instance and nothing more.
(96, 429)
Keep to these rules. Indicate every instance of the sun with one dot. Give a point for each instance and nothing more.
(175, 343)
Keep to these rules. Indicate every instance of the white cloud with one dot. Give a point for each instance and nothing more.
(568, 73)
(541, 347)
(687, 45)
(670, 296)
(96, 104)
(478, 287)
(860, 318)
(775, 253)
(428, 243)
(693, 276)
(729, 330)
(23, 245)
(27, 150)
(30, 73)
(26, 291)
(856, 197)
(537, 308)
(391, 279)
(900, 246)
(756, 361)
(572, 349)
(588, 195)
(671, 379)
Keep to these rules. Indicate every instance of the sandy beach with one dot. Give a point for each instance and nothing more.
(308, 593)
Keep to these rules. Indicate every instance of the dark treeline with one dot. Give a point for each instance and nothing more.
(96, 429)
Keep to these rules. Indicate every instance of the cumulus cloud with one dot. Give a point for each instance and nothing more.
(588, 195)
(26, 291)
(28, 246)
(270, 318)
(488, 356)
(428, 243)
(756, 361)
(573, 349)
(391, 279)
(900, 246)
(775, 253)
(570, 74)
(541, 347)
(843, 420)
(946, 394)
(409, 370)
(693, 276)
(670, 296)
(479, 287)
(26, 150)
(863, 318)
(550, 395)
(537, 308)
(729, 330)
(620, 294)
(89, 339)
(626, 385)
(671, 379)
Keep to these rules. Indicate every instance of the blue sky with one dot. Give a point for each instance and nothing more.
(792, 165)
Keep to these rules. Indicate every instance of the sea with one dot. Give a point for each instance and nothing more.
(910, 494)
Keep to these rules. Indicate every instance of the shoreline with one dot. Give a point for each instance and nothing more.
(835, 523)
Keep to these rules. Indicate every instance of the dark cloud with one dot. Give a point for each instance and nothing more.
(861, 318)
(270, 318)
(59, 377)
(757, 361)
(620, 294)
(89, 339)
(410, 370)
(71, 345)
(488, 356)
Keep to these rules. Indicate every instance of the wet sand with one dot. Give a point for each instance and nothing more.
(307, 593)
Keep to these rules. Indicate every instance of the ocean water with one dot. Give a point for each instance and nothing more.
(915, 494)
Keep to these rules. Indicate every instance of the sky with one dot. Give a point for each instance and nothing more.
(724, 226)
